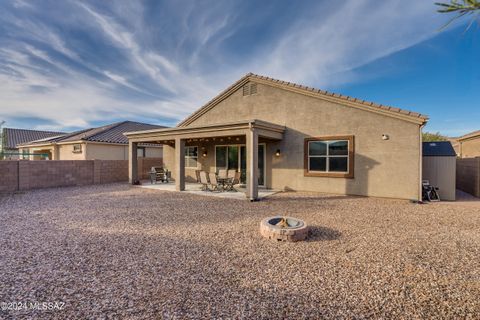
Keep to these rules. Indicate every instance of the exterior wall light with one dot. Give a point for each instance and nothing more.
(385, 137)
(204, 154)
(277, 153)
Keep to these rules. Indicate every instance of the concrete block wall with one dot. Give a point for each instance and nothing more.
(113, 171)
(17, 175)
(8, 176)
(468, 175)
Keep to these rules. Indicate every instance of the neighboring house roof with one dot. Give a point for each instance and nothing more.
(112, 133)
(470, 135)
(335, 97)
(438, 149)
(14, 136)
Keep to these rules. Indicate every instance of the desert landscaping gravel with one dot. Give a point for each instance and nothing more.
(115, 251)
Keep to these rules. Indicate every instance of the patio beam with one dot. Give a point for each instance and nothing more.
(132, 162)
(252, 164)
(179, 164)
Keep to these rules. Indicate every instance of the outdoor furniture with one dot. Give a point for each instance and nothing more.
(233, 179)
(159, 174)
(222, 174)
(197, 174)
(204, 180)
(214, 183)
(429, 192)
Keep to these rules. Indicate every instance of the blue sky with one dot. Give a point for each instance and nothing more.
(66, 65)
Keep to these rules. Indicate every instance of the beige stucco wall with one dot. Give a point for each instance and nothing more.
(383, 168)
(117, 152)
(65, 152)
(94, 151)
(470, 148)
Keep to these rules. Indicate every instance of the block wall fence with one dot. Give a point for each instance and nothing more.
(19, 175)
(468, 175)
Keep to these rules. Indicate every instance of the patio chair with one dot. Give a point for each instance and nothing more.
(197, 174)
(204, 180)
(213, 182)
(222, 173)
(429, 192)
(234, 179)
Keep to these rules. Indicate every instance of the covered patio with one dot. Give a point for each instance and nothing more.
(248, 134)
(195, 188)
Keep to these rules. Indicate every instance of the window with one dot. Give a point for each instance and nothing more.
(25, 155)
(191, 157)
(141, 152)
(329, 156)
(77, 148)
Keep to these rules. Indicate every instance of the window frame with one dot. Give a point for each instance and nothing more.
(190, 157)
(80, 149)
(350, 157)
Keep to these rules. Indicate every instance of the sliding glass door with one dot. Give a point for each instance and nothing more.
(235, 157)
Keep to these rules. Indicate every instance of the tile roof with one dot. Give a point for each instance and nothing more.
(304, 89)
(112, 133)
(16, 136)
(469, 135)
(438, 149)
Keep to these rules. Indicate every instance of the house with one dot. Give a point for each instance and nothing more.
(286, 136)
(439, 167)
(469, 145)
(103, 143)
(11, 137)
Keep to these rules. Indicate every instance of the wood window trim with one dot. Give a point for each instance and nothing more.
(351, 157)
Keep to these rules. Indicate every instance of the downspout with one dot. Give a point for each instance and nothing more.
(420, 167)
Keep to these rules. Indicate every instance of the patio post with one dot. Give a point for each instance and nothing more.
(252, 164)
(132, 162)
(179, 164)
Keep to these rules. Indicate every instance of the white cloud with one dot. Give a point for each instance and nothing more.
(310, 50)
(356, 33)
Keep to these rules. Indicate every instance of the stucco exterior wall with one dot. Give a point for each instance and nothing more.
(470, 148)
(93, 151)
(383, 168)
(106, 152)
(65, 152)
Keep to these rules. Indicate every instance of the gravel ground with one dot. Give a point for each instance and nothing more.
(114, 251)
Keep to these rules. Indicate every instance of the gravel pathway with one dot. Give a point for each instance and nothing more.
(113, 251)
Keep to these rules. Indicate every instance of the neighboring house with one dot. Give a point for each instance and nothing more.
(104, 143)
(290, 137)
(469, 145)
(11, 137)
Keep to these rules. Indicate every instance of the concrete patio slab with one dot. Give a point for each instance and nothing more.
(195, 188)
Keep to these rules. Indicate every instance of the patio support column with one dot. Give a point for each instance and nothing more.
(252, 164)
(179, 164)
(132, 162)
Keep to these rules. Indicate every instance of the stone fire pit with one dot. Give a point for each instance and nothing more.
(283, 229)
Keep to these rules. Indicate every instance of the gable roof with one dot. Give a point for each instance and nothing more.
(470, 135)
(438, 149)
(14, 136)
(317, 93)
(112, 133)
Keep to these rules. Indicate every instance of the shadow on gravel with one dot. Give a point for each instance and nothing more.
(317, 233)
